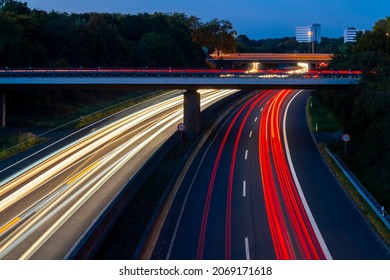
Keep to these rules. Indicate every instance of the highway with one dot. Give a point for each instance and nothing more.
(46, 204)
(259, 189)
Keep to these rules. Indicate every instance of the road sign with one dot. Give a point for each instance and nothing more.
(181, 126)
(346, 138)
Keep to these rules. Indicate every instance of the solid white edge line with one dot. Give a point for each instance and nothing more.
(247, 254)
(296, 181)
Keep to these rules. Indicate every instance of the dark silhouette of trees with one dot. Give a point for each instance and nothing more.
(364, 111)
(35, 38)
(286, 45)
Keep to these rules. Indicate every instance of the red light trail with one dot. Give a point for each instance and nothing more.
(202, 235)
(291, 230)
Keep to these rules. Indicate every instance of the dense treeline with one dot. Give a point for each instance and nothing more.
(38, 38)
(364, 111)
(35, 38)
(288, 45)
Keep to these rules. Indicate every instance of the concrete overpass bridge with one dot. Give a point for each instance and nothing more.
(275, 57)
(188, 79)
(314, 60)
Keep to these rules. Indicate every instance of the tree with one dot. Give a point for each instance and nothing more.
(14, 7)
(364, 110)
(214, 35)
(286, 45)
(37, 38)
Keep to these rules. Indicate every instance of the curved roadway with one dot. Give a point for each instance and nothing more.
(48, 200)
(260, 190)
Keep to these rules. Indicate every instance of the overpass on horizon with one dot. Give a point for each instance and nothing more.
(275, 57)
(316, 59)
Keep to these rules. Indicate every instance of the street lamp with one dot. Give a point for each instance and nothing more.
(221, 42)
(310, 37)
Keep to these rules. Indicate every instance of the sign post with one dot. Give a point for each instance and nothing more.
(345, 138)
(181, 128)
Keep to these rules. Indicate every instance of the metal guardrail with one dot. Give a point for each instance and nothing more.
(378, 209)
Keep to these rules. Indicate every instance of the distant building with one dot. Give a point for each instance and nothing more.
(350, 34)
(308, 34)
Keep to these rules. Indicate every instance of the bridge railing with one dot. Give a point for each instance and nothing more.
(171, 72)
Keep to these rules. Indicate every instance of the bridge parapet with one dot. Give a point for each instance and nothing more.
(174, 78)
(169, 72)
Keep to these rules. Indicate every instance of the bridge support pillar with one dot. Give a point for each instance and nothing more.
(2, 110)
(192, 120)
(313, 66)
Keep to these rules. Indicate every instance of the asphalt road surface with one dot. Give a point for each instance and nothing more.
(49, 198)
(259, 189)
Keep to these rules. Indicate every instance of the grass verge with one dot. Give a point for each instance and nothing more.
(320, 118)
(327, 122)
(17, 142)
(98, 115)
(367, 211)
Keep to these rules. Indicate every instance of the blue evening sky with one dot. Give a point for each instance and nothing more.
(255, 18)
